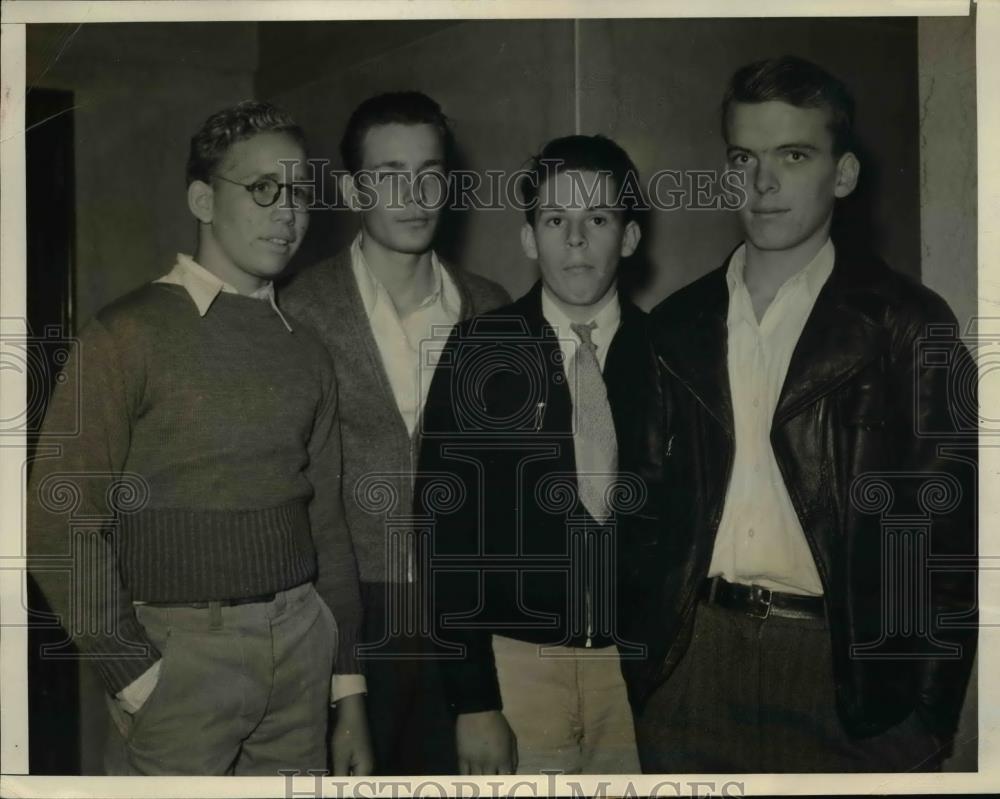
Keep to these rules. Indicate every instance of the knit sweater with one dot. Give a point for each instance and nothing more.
(379, 454)
(191, 474)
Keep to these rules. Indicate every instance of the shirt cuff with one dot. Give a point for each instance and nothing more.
(134, 695)
(342, 685)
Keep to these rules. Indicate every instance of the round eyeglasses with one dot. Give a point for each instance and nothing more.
(266, 191)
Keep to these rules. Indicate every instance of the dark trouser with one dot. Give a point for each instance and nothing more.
(412, 730)
(242, 690)
(757, 696)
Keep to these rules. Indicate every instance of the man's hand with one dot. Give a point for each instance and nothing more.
(350, 744)
(486, 743)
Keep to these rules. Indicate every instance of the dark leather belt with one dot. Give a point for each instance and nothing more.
(760, 602)
(224, 603)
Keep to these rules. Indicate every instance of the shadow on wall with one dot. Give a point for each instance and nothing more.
(854, 219)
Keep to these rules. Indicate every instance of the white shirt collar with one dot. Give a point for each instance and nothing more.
(371, 288)
(813, 275)
(204, 286)
(607, 320)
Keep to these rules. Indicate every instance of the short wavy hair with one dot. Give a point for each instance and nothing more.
(231, 125)
(803, 84)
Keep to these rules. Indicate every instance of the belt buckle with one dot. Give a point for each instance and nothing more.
(763, 596)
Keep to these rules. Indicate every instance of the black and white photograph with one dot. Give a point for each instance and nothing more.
(432, 399)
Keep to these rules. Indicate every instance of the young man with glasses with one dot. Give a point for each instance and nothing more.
(374, 304)
(220, 598)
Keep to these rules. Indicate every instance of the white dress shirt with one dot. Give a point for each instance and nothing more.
(760, 540)
(410, 347)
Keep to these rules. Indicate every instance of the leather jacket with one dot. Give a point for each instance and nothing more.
(875, 434)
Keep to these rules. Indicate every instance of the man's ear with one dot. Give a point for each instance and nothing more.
(528, 243)
(630, 238)
(201, 201)
(848, 171)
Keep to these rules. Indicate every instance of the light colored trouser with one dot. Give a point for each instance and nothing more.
(568, 708)
(242, 690)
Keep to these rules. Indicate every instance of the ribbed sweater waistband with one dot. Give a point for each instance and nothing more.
(185, 555)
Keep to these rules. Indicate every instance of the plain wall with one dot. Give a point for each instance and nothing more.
(948, 164)
(948, 216)
(140, 91)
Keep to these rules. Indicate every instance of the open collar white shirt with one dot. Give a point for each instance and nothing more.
(409, 347)
(760, 539)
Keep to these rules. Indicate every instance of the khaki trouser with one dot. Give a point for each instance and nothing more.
(242, 690)
(567, 706)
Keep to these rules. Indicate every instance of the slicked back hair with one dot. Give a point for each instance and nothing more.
(404, 108)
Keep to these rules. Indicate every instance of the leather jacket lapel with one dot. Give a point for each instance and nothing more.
(837, 341)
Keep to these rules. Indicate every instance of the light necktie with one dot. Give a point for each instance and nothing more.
(594, 437)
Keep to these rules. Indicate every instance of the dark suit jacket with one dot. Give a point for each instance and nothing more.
(511, 543)
(875, 436)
